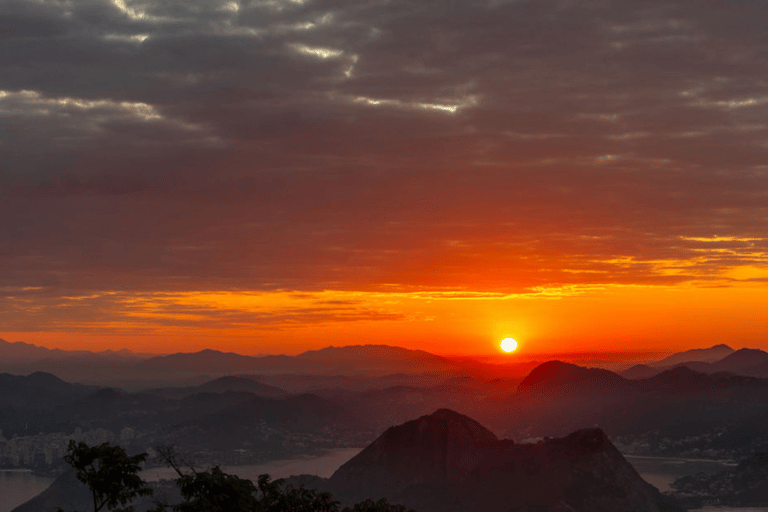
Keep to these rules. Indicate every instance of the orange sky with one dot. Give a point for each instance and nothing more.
(272, 177)
(588, 319)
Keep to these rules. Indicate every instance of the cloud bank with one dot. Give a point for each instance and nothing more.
(382, 145)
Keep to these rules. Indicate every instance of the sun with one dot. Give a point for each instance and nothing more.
(508, 344)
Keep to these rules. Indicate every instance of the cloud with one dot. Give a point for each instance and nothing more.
(487, 146)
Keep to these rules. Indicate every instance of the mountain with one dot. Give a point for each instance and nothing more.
(448, 462)
(142, 372)
(377, 360)
(683, 380)
(21, 352)
(639, 371)
(230, 383)
(678, 413)
(38, 390)
(719, 358)
(431, 449)
(222, 385)
(744, 360)
(704, 355)
(369, 360)
(557, 377)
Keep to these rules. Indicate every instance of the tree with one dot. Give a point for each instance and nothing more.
(216, 491)
(376, 506)
(207, 491)
(110, 474)
(277, 497)
(113, 479)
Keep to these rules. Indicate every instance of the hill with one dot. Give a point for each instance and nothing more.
(565, 378)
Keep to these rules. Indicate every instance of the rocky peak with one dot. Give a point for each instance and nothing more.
(436, 448)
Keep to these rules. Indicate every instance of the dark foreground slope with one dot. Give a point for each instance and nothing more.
(448, 462)
(69, 494)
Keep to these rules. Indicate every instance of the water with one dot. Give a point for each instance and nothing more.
(324, 466)
(662, 471)
(16, 487)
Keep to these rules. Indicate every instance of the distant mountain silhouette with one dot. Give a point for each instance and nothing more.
(222, 385)
(719, 358)
(38, 390)
(640, 371)
(448, 462)
(140, 371)
(678, 379)
(565, 378)
(745, 361)
(21, 352)
(741, 361)
(231, 383)
(705, 355)
(682, 379)
(370, 360)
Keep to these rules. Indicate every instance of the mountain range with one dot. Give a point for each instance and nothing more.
(675, 411)
(720, 358)
(136, 371)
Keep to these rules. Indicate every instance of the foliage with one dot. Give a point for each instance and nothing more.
(215, 491)
(110, 474)
(112, 477)
(275, 497)
(376, 506)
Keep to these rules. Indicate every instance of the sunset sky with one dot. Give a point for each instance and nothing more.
(272, 176)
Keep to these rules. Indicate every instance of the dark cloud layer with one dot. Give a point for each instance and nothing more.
(308, 145)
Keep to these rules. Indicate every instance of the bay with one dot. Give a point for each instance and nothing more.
(16, 487)
(662, 471)
(322, 465)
